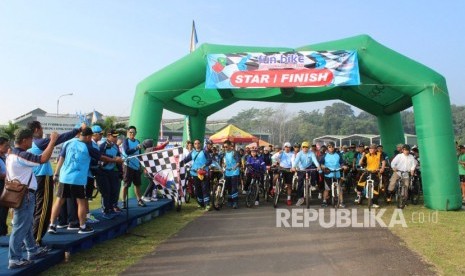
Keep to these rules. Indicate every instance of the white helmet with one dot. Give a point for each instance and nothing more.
(287, 144)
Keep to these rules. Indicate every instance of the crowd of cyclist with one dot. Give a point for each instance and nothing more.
(350, 165)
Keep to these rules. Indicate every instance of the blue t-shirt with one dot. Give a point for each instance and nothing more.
(111, 150)
(285, 159)
(77, 156)
(40, 144)
(305, 160)
(130, 149)
(200, 159)
(332, 161)
(231, 160)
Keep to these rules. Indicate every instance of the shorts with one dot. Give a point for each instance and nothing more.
(131, 176)
(90, 187)
(328, 182)
(462, 178)
(71, 190)
(287, 177)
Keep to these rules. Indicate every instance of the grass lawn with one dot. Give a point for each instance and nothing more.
(438, 236)
(114, 256)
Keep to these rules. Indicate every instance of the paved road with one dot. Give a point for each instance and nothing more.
(247, 242)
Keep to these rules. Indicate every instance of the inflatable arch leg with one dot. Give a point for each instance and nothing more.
(433, 123)
(146, 116)
(391, 130)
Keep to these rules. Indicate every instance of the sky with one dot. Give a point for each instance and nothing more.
(100, 50)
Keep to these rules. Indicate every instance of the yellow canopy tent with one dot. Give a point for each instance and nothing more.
(260, 143)
(233, 134)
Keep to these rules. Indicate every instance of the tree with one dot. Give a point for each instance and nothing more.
(10, 130)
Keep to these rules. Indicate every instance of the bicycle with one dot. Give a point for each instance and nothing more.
(266, 185)
(219, 193)
(307, 186)
(189, 189)
(278, 186)
(401, 189)
(415, 187)
(335, 189)
(252, 193)
(369, 187)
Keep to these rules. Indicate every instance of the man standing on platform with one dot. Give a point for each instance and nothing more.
(44, 176)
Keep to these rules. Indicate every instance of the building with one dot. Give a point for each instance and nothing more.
(55, 122)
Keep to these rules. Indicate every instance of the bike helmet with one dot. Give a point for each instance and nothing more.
(287, 144)
(296, 145)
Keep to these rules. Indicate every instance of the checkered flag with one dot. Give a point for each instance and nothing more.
(157, 164)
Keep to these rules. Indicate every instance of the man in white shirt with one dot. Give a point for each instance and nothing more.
(402, 162)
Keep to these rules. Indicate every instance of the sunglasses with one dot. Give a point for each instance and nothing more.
(304, 147)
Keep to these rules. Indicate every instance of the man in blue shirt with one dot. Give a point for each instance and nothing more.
(74, 166)
(332, 161)
(44, 176)
(199, 171)
(232, 163)
(131, 167)
(304, 160)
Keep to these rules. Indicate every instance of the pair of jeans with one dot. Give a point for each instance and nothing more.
(22, 229)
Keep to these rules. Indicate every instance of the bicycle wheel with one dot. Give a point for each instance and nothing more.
(333, 195)
(307, 191)
(369, 188)
(400, 197)
(266, 185)
(251, 193)
(277, 191)
(218, 198)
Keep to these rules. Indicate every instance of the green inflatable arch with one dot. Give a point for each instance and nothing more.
(404, 82)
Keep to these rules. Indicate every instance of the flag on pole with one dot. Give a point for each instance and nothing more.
(194, 39)
(160, 165)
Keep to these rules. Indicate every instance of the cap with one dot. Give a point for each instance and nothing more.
(287, 144)
(305, 144)
(296, 145)
(87, 131)
(96, 129)
(373, 146)
(112, 132)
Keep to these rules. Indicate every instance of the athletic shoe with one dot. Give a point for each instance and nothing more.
(40, 252)
(19, 263)
(357, 199)
(73, 226)
(244, 192)
(289, 202)
(146, 199)
(256, 203)
(108, 216)
(342, 205)
(300, 202)
(388, 199)
(375, 206)
(141, 203)
(52, 229)
(235, 205)
(313, 188)
(92, 219)
(88, 229)
(320, 195)
(207, 208)
(324, 204)
(61, 226)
